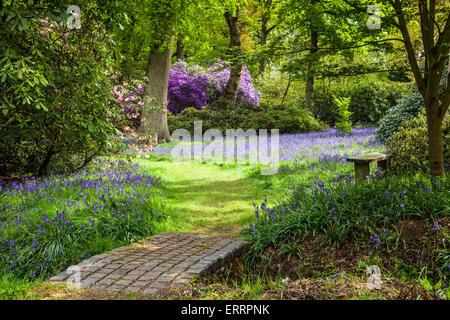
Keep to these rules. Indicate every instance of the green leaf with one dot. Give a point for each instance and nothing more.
(43, 80)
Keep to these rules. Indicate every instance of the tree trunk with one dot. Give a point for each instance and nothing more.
(263, 42)
(46, 162)
(434, 115)
(158, 70)
(435, 149)
(286, 91)
(232, 87)
(179, 53)
(434, 126)
(310, 76)
(428, 82)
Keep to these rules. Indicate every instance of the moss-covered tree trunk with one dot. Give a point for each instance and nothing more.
(158, 70)
(436, 152)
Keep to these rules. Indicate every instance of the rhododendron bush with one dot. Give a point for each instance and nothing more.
(189, 86)
(131, 107)
(53, 92)
(192, 86)
(186, 89)
(218, 75)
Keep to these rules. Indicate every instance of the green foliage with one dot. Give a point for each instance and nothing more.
(144, 24)
(222, 115)
(343, 125)
(409, 145)
(369, 100)
(54, 90)
(272, 86)
(14, 289)
(290, 118)
(407, 108)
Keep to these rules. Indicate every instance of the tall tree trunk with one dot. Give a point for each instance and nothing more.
(435, 148)
(310, 76)
(179, 53)
(434, 119)
(232, 87)
(435, 114)
(428, 82)
(158, 70)
(263, 42)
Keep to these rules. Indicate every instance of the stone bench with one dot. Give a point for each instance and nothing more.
(362, 164)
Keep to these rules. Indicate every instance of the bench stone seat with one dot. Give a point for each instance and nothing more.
(362, 164)
(369, 157)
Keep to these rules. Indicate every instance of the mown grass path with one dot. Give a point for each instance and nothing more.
(208, 198)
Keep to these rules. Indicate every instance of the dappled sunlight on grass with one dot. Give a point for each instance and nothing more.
(207, 198)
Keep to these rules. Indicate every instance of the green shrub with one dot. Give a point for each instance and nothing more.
(406, 109)
(54, 92)
(409, 145)
(222, 115)
(369, 101)
(343, 125)
(291, 119)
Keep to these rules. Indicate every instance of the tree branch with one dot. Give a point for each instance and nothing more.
(408, 45)
(342, 48)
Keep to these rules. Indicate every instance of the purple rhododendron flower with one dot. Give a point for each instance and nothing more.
(186, 91)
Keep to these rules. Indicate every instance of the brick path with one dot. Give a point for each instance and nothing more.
(154, 265)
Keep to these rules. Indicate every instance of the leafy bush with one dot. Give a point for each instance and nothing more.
(53, 91)
(287, 118)
(406, 109)
(343, 125)
(222, 115)
(369, 101)
(409, 145)
(186, 90)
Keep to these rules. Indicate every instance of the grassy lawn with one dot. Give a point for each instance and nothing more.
(208, 198)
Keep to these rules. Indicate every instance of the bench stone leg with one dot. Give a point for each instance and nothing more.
(362, 171)
(384, 165)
